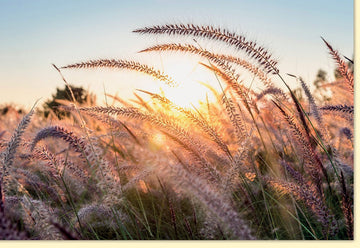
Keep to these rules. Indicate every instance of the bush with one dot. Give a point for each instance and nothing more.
(81, 96)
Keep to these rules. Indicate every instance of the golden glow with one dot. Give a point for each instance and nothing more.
(186, 95)
(158, 142)
(158, 139)
(251, 176)
(188, 92)
(143, 186)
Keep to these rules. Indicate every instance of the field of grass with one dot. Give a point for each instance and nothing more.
(252, 164)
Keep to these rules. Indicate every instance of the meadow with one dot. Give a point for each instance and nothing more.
(261, 161)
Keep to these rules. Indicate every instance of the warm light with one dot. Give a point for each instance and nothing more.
(189, 92)
(143, 186)
(186, 95)
(157, 142)
(158, 139)
(251, 176)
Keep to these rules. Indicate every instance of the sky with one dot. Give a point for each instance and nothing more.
(34, 34)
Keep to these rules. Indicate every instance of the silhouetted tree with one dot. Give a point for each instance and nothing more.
(321, 93)
(321, 77)
(80, 94)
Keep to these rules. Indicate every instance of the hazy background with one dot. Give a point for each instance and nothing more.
(34, 34)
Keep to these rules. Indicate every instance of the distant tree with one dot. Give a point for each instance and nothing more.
(10, 108)
(321, 77)
(321, 94)
(80, 94)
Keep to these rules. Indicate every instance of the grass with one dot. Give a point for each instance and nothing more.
(253, 164)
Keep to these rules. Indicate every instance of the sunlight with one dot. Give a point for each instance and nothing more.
(158, 139)
(189, 91)
(187, 95)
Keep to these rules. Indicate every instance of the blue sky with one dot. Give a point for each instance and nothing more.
(34, 34)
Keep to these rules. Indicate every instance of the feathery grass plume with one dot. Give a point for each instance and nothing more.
(61, 133)
(12, 147)
(253, 50)
(3, 144)
(315, 111)
(108, 182)
(170, 128)
(8, 229)
(111, 122)
(56, 166)
(235, 118)
(28, 181)
(313, 106)
(343, 111)
(347, 208)
(211, 230)
(82, 121)
(173, 218)
(140, 176)
(44, 154)
(233, 178)
(340, 108)
(347, 132)
(41, 215)
(302, 114)
(307, 191)
(220, 60)
(66, 233)
(313, 163)
(226, 180)
(306, 194)
(203, 124)
(193, 159)
(237, 123)
(271, 90)
(206, 170)
(161, 121)
(75, 171)
(227, 74)
(98, 217)
(341, 166)
(293, 173)
(124, 64)
(342, 66)
(143, 103)
(212, 200)
(2, 200)
(2, 133)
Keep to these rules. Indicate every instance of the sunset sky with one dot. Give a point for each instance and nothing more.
(34, 34)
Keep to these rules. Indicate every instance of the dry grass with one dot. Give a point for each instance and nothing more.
(251, 165)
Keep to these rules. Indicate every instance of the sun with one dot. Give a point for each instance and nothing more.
(187, 94)
(190, 90)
